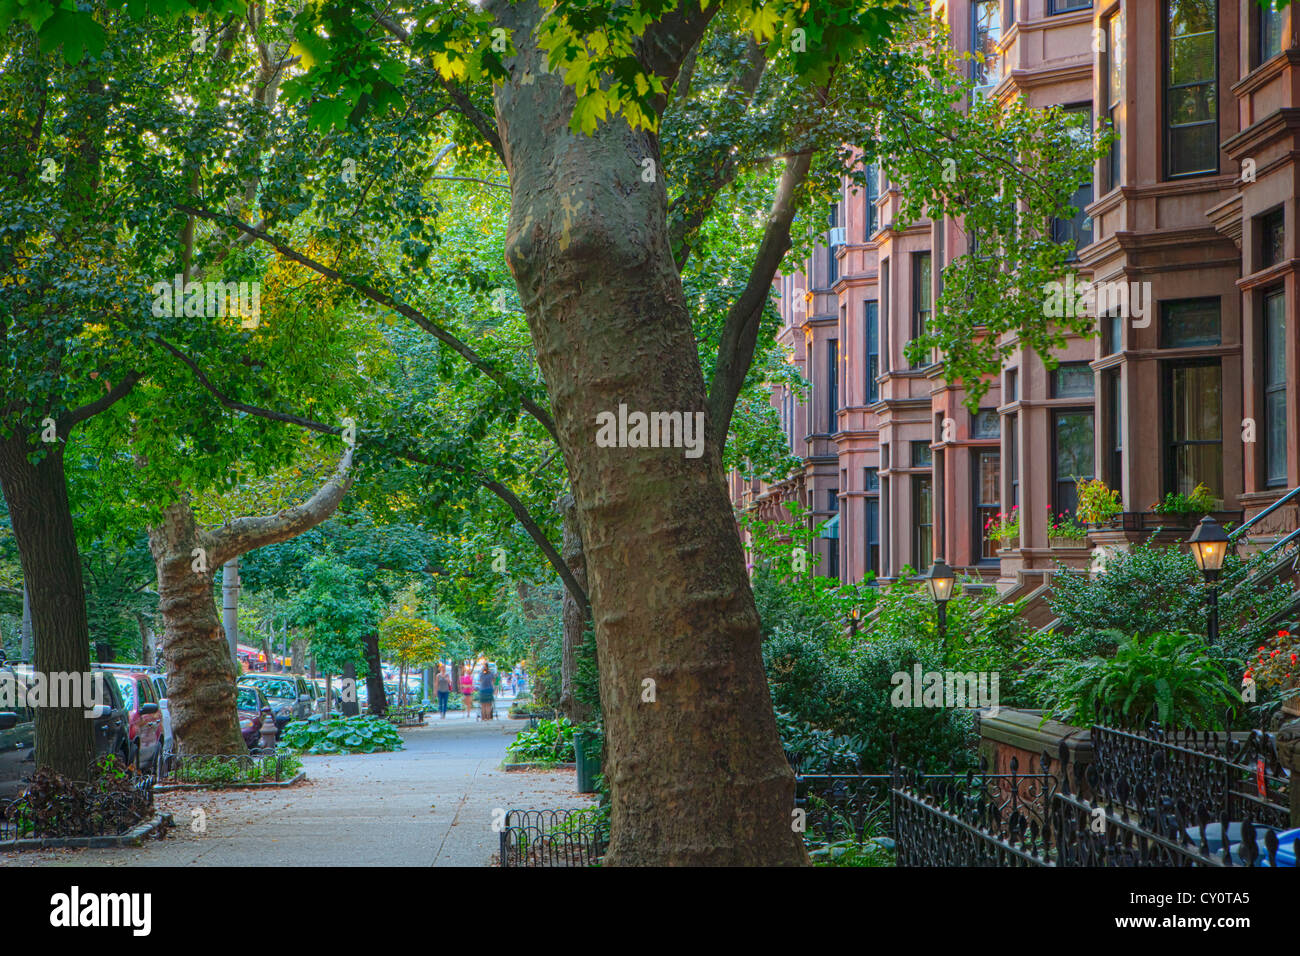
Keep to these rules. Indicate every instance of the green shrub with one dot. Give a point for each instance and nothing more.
(551, 742)
(217, 770)
(342, 735)
(1176, 676)
(1149, 589)
(845, 692)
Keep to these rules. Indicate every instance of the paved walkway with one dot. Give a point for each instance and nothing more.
(428, 805)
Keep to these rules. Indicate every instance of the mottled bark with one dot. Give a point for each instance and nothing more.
(37, 497)
(201, 669)
(698, 775)
(573, 615)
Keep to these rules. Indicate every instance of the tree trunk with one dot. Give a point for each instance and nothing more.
(573, 615)
(201, 657)
(201, 674)
(37, 496)
(377, 705)
(697, 776)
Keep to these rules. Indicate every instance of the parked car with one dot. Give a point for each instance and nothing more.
(164, 705)
(251, 704)
(335, 695)
(290, 695)
(144, 719)
(18, 728)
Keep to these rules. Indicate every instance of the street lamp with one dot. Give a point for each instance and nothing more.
(1209, 545)
(941, 579)
(853, 620)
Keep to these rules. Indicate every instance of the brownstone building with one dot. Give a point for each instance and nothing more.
(1196, 204)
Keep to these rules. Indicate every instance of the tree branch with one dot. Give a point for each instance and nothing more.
(246, 534)
(740, 333)
(115, 394)
(689, 210)
(512, 501)
(479, 119)
(386, 300)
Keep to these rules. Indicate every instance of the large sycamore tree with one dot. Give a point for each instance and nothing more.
(574, 97)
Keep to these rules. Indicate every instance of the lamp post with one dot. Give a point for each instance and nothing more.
(1209, 545)
(940, 579)
(853, 620)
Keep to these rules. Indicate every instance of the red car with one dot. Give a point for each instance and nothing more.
(144, 720)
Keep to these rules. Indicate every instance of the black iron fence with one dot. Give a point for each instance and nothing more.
(554, 837)
(980, 819)
(1238, 774)
(1150, 824)
(56, 807)
(1149, 803)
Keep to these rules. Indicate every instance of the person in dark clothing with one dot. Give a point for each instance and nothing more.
(443, 687)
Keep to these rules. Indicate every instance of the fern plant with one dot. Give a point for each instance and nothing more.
(1171, 674)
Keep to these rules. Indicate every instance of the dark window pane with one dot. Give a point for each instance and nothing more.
(1194, 149)
(1191, 87)
(1270, 31)
(986, 491)
(1193, 417)
(873, 535)
(922, 457)
(1072, 456)
(1275, 389)
(832, 383)
(923, 523)
(922, 293)
(1073, 380)
(872, 319)
(985, 424)
(1191, 40)
(1272, 238)
(1189, 324)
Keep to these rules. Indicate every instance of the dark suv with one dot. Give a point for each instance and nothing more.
(18, 727)
(290, 695)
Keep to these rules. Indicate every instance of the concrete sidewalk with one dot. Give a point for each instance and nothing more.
(428, 805)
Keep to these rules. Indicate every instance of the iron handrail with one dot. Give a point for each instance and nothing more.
(1243, 528)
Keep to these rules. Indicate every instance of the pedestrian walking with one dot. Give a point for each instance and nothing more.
(443, 686)
(467, 689)
(486, 693)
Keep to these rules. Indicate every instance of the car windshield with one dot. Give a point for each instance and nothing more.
(280, 689)
(247, 698)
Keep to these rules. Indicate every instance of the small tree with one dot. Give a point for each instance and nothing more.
(410, 641)
(336, 614)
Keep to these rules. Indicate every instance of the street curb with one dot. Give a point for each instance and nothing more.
(133, 837)
(171, 787)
